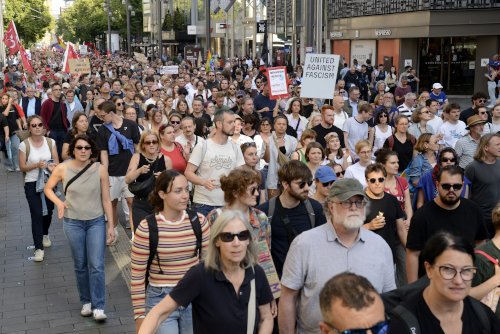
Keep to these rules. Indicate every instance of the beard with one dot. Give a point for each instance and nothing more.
(300, 196)
(228, 133)
(450, 201)
(352, 223)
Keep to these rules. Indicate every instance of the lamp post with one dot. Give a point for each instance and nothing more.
(160, 37)
(109, 25)
(128, 8)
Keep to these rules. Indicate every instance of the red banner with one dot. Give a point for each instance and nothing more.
(11, 39)
(70, 53)
(26, 62)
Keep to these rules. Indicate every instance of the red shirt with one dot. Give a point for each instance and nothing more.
(178, 161)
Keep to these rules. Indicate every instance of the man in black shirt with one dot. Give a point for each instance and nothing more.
(326, 126)
(447, 212)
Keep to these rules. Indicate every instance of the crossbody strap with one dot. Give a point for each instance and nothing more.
(486, 255)
(74, 178)
(251, 306)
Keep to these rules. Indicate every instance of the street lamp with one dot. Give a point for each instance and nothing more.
(128, 8)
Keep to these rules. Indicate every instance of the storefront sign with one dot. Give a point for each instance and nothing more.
(278, 85)
(485, 62)
(320, 75)
(79, 66)
(336, 34)
(362, 50)
(408, 62)
(383, 32)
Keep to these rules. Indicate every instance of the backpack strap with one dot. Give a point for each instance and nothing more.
(486, 255)
(196, 225)
(408, 318)
(153, 243)
(271, 208)
(390, 141)
(310, 212)
(28, 148)
(204, 148)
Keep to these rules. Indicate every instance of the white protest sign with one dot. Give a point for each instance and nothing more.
(169, 70)
(277, 82)
(320, 75)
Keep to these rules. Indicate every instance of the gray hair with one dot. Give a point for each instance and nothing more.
(213, 257)
(410, 96)
(219, 115)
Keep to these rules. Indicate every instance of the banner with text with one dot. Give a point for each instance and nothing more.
(320, 75)
(278, 83)
(79, 66)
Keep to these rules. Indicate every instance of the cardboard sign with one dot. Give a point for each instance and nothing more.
(320, 75)
(278, 83)
(140, 58)
(169, 70)
(79, 66)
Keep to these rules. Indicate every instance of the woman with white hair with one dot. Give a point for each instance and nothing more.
(229, 292)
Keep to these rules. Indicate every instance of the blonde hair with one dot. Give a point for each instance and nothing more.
(145, 134)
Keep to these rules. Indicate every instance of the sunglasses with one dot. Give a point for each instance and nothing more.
(327, 184)
(380, 180)
(380, 328)
(119, 104)
(303, 184)
(175, 122)
(448, 160)
(383, 115)
(254, 189)
(454, 186)
(151, 142)
(38, 125)
(248, 144)
(87, 148)
(481, 100)
(340, 173)
(482, 113)
(229, 237)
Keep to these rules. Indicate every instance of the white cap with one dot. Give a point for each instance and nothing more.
(437, 85)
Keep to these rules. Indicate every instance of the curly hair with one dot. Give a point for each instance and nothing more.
(236, 183)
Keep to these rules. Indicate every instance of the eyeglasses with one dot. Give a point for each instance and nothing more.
(448, 160)
(449, 273)
(373, 180)
(175, 122)
(348, 204)
(38, 125)
(340, 173)
(258, 82)
(379, 328)
(87, 148)
(448, 186)
(151, 142)
(229, 237)
(303, 184)
(327, 184)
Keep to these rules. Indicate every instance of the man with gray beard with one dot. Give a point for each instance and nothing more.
(325, 251)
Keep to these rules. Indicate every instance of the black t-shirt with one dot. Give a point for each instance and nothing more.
(206, 117)
(308, 109)
(321, 133)
(404, 150)
(466, 221)
(56, 120)
(430, 324)
(118, 163)
(389, 205)
(216, 306)
(3, 123)
(298, 221)
(11, 120)
(94, 125)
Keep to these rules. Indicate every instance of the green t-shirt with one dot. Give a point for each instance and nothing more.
(486, 269)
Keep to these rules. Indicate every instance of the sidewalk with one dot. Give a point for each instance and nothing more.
(42, 297)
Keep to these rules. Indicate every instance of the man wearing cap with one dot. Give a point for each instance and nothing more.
(324, 178)
(467, 145)
(438, 95)
(337, 246)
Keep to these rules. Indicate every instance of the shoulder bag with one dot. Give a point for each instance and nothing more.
(144, 188)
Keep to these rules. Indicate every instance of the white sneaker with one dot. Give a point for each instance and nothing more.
(39, 253)
(46, 241)
(99, 315)
(86, 310)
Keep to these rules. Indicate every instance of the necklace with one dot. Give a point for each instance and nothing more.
(149, 160)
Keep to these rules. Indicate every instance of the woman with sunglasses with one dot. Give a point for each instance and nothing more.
(335, 153)
(86, 201)
(420, 116)
(176, 254)
(119, 104)
(172, 149)
(424, 161)
(227, 289)
(381, 131)
(338, 169)
(426, 189)
(144, 164)
(175, 119)
(79, 126)
(444, 305)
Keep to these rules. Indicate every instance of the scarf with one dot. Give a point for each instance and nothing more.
(116, 136)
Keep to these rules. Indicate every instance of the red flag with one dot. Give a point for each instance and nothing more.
(26, 62)
(11, 39)
(70, 53)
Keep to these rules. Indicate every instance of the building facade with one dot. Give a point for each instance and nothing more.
(446, 41)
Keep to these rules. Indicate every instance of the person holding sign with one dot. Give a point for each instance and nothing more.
(263, 103)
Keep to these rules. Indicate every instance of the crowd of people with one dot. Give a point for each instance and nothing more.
(251, 214)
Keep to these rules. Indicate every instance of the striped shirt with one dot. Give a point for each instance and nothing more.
(176, 255)
(466, 148)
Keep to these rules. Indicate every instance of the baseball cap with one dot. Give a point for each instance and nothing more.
(66, 85)
(437, 85)
(343, 189)
(325, 174)
(240, 93)
(154, 87)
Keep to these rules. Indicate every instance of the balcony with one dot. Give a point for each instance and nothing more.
(354, 8)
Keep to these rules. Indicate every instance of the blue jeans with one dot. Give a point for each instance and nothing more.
(12, 149)
(87, 239)
(179, 322)
(39, 223)
(204, 209)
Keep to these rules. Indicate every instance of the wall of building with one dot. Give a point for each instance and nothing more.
(487, 46)
(408, 51)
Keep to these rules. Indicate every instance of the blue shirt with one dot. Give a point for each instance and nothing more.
(31, 107)
(261, 101)
(440, 98)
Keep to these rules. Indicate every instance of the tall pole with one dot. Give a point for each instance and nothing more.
(109, 26)
(160, 37)
(129, 8)
(319, 26)
(207, 23)
(309, 24)
(254, 46)
(294, 33)
(232, 33)
(2, 45)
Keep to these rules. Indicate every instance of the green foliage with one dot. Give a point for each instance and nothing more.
(32, 19)
(179, 20)
(168, 22)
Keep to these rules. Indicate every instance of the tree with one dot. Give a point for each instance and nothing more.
(168, 22)
(179, 20)
(32, 19)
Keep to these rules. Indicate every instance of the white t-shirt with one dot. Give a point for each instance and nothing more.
(357, 172)
(380, 137)
(219, 160)
(435, 124)
(299, 125)
(37, 154)
(451, 133)
(183, 140)
(241, 140)
(357, 131)
(339, 119)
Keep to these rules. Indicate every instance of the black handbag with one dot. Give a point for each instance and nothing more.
(144, 188)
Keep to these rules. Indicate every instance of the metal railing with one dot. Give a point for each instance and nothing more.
(353, 8)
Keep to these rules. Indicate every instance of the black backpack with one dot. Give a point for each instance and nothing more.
(153, 239)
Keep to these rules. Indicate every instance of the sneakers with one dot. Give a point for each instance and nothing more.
(39, 253)
(86, 310)
(46, 241)
(9, 169)
(99, 315)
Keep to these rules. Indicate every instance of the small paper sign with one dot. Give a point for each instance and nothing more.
(79, 66)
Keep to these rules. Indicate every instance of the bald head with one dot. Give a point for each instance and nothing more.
(338, 103)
